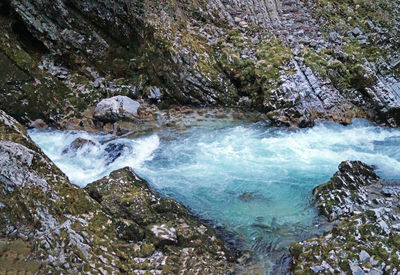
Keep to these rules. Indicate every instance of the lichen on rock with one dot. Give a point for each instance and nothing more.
(365, 238)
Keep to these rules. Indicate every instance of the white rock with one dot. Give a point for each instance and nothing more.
(364, 256)
(116, 108)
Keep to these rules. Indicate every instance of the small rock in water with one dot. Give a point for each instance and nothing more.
(250, 196)
(77, 144)
(113, 151)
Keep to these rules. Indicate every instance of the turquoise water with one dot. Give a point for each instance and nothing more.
(253, 181)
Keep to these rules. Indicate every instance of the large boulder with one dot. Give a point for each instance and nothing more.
(48, 225)
(116, 108)
(366, 235)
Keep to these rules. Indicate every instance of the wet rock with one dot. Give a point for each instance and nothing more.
(116, 108)
(250, 196)
(113, 151)
(78, 144)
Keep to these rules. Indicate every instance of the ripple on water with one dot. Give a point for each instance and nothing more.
(251, 180)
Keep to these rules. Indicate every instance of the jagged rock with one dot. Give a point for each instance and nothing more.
(113, 151)
(391, 189)
(364, 256)
(78, 144)
(48, 225)
(366, 227)
(116, 108)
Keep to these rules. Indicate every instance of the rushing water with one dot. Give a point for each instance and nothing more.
(254, 181)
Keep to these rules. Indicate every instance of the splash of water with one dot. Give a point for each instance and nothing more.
(254, 181)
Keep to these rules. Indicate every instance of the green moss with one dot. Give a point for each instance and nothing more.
(346, 71)
(253, 78)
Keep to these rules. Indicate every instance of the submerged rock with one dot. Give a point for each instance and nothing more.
(367, 225)
(116, 108)
(250, 196)
(48, 225)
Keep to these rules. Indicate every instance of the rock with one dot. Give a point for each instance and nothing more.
(39, 124)
(356, 270)
(78, 144)
(250, 196)
(113, 151)
(364, 223)
(351, 178)
(391, 190)
(375, 271)
(116, 108)
(334, 37)
(155, 93)
(317, 268)
(356, 32)
(364, 256)
(163, 234)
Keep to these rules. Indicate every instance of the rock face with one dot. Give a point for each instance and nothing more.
(48, 225)
(366, 237)
(293, 60)
(116, 108)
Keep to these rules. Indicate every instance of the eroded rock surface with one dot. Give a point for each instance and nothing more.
(366, 237)
(293, 60)
(49, 225)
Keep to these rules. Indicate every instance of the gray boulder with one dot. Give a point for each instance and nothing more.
(116, 108)
(78, 144)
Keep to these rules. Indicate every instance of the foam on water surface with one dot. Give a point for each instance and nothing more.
(254, 181)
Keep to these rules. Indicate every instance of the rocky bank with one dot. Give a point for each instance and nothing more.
(365, 211)
(114, 225)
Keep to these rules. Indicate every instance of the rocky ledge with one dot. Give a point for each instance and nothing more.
(365, 239)
(295, 61)
(114, 225)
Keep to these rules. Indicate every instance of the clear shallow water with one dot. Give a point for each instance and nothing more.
(253, 180)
